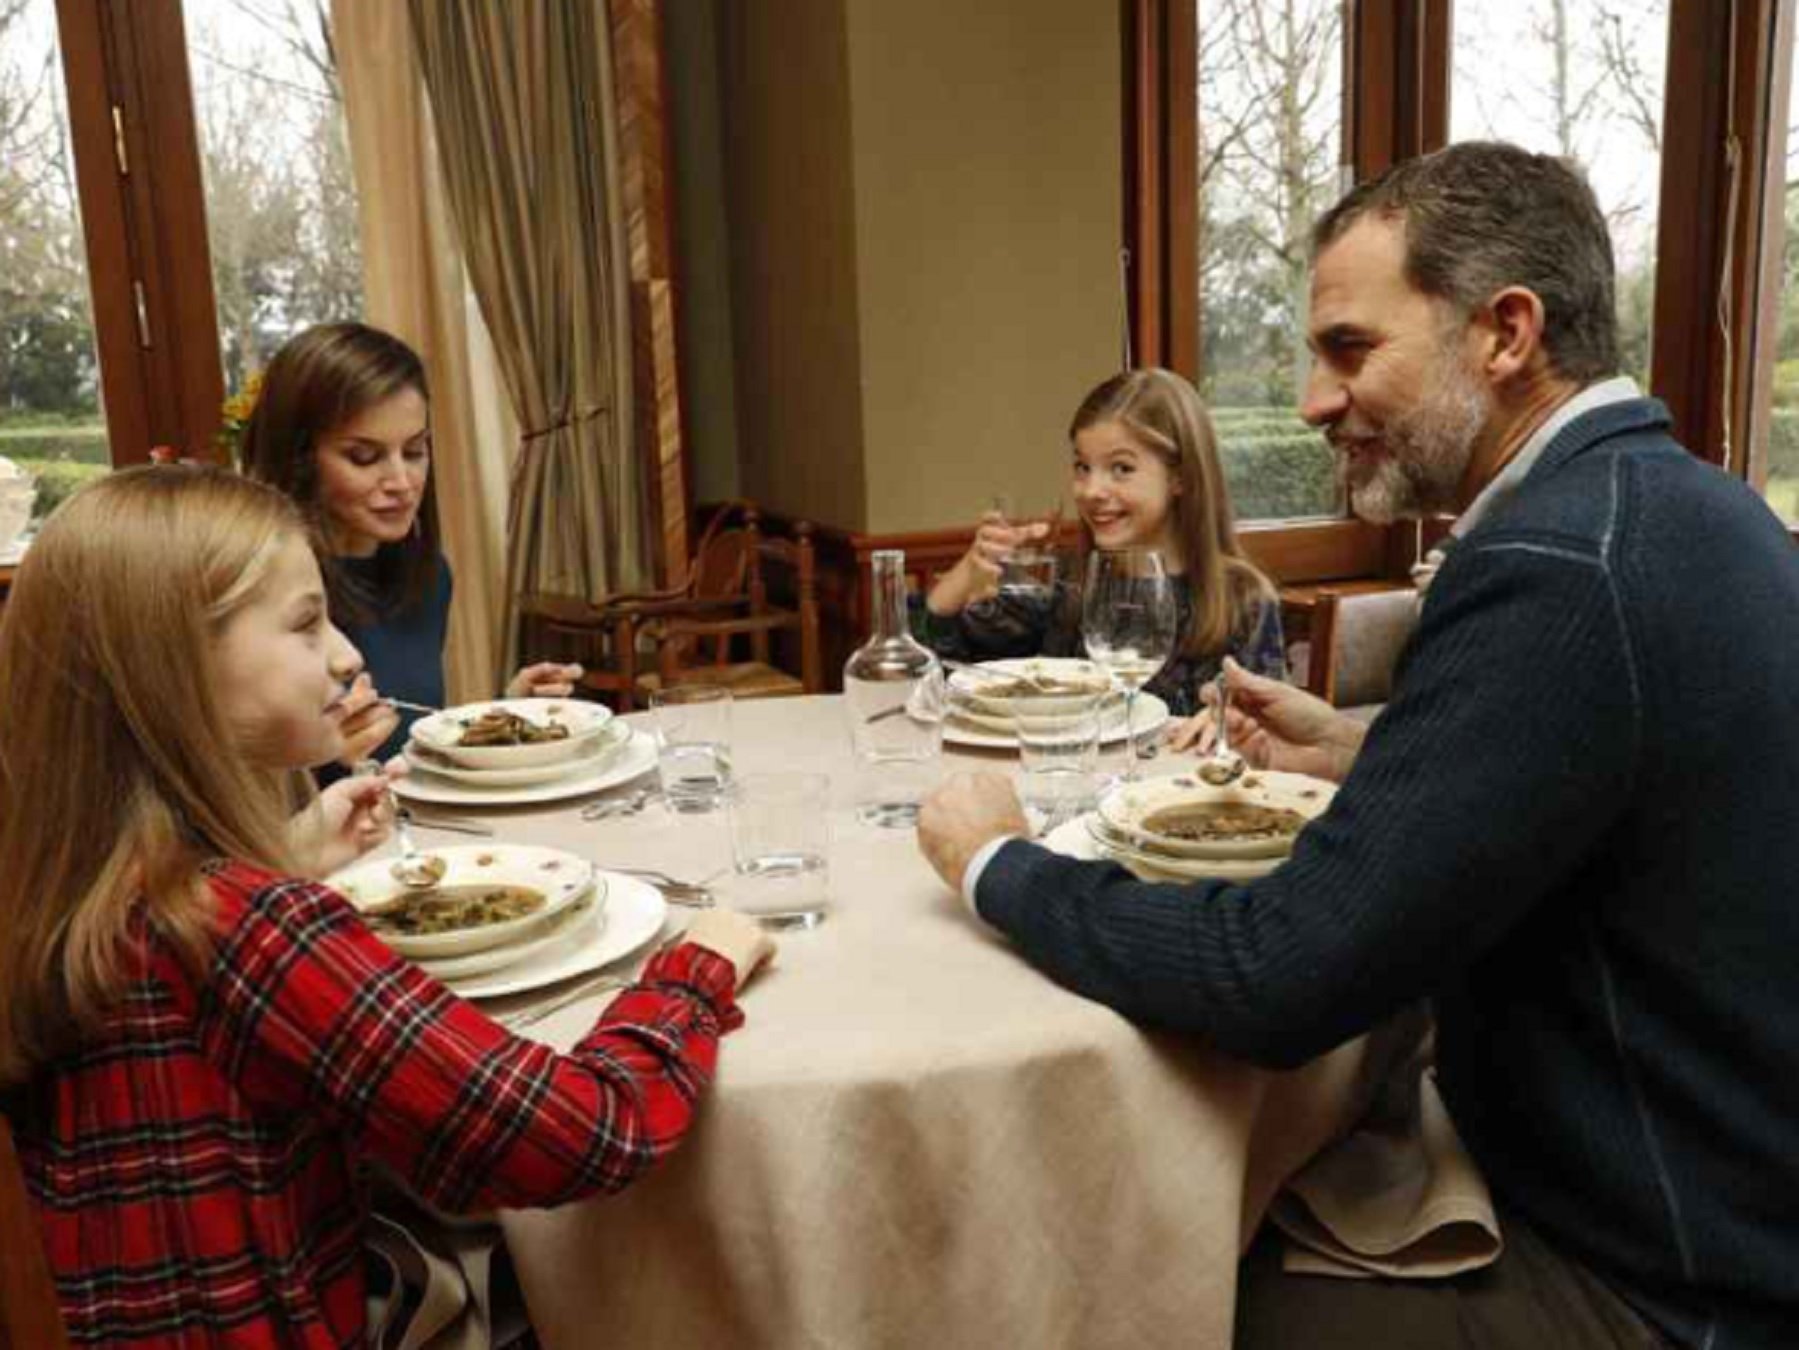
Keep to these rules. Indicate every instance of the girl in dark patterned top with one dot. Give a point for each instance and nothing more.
(200, 1047)
(1145, 475)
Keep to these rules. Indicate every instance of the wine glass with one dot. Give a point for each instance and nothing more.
(1128, 622)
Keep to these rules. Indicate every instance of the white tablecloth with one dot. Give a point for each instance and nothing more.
(917, 1140)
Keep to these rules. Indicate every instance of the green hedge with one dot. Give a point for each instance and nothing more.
(1783, 443)
(56, 479)
(1277, 466)
(80, 444)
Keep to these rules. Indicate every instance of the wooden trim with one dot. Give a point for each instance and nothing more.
(146, 227)
(641, 90)
(1397, 84)
(1765, 66)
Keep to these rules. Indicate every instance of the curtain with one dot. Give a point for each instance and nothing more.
(416, 286)
(522, 97)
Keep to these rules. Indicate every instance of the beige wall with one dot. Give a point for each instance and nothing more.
(987, 176)
(923, 207)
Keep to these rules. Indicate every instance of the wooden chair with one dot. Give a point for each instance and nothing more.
(1355, 641)
(30, 1318)
(697, 628)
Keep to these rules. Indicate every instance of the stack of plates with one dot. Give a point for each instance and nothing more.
(570, 917)
(1180, 829)
(983, 701)
(595, 751)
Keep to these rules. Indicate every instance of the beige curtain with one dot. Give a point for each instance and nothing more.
(522, 97)
(416, 286)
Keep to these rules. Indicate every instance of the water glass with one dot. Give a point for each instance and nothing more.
(1028, 572)
(1058, 752)
(693, 745)
(780, 847)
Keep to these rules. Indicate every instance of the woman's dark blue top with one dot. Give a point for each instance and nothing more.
(403, 647)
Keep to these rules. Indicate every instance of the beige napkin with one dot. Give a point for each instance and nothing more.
(440, 1292)
(1398, 1196)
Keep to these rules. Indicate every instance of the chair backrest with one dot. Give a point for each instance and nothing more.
(1355, 644)
(30, 1318)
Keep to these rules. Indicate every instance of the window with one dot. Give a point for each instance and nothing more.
(1677, 112)
(1269, 155)
(50, 420)
(1582, 79)
(280, 201)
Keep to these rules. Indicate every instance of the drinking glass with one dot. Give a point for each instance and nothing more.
(693, 745)
(1128, 622)
(780, 846)
(1058, 753)
(1029, 571)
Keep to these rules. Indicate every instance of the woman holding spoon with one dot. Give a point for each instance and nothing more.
(1145, 475)
(343, 426)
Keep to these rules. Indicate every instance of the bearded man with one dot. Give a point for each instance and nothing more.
(1572, 828)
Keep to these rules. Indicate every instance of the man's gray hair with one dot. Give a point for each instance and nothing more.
(1481, 216)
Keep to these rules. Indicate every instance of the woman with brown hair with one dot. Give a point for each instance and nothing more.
(199, 1047)
(1145, 474)
(343, 426)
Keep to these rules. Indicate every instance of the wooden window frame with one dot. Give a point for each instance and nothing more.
(149, 266)
(1731, 60)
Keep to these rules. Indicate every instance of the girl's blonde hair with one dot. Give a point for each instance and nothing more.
(1167, 414)
(119, 777)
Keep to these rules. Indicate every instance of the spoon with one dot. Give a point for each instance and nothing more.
(1223, 766)
(412, 869)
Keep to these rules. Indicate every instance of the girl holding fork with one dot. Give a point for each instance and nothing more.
(1145, 474)
(200, 1046)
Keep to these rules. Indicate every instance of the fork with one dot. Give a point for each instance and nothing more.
(531, 1016)
(693, 894)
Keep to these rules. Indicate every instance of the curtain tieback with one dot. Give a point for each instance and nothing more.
(586, 415)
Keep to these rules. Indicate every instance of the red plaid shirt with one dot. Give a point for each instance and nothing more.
(194, 1167)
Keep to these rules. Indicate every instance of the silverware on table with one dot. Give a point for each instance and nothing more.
(457, 826)
(537, 1012)
(693, 894)
(627, 805)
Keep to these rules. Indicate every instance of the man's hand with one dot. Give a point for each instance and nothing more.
(1277, 726)
(965, 812)
(368, 722)
(546, 679)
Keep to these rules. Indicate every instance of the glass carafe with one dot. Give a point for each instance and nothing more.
(893, 694)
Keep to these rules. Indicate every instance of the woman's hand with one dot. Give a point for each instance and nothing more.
(368, 721)
(347, 819)
(740, 941)
(546, 679)
(1276, 726)
(976, 574)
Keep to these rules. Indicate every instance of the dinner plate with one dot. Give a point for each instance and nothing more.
(442, 731)
(635, 759)
(561, 877)
(1160, 867)
(593, 753)
(1074, 839)
(552, 931)
(1149, 714)
(634, 916)
(1125, 807)
(972, 693)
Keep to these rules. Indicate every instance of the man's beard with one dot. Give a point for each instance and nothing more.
(1426, 451)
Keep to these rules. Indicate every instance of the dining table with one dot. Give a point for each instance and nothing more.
(916, 1138)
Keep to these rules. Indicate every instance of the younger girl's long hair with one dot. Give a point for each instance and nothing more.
(319, 381)
(119, 777)
(1165, 412)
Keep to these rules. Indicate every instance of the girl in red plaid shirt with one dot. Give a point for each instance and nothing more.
(197, 1043)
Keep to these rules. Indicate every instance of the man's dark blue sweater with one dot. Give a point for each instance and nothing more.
(1576, 827)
